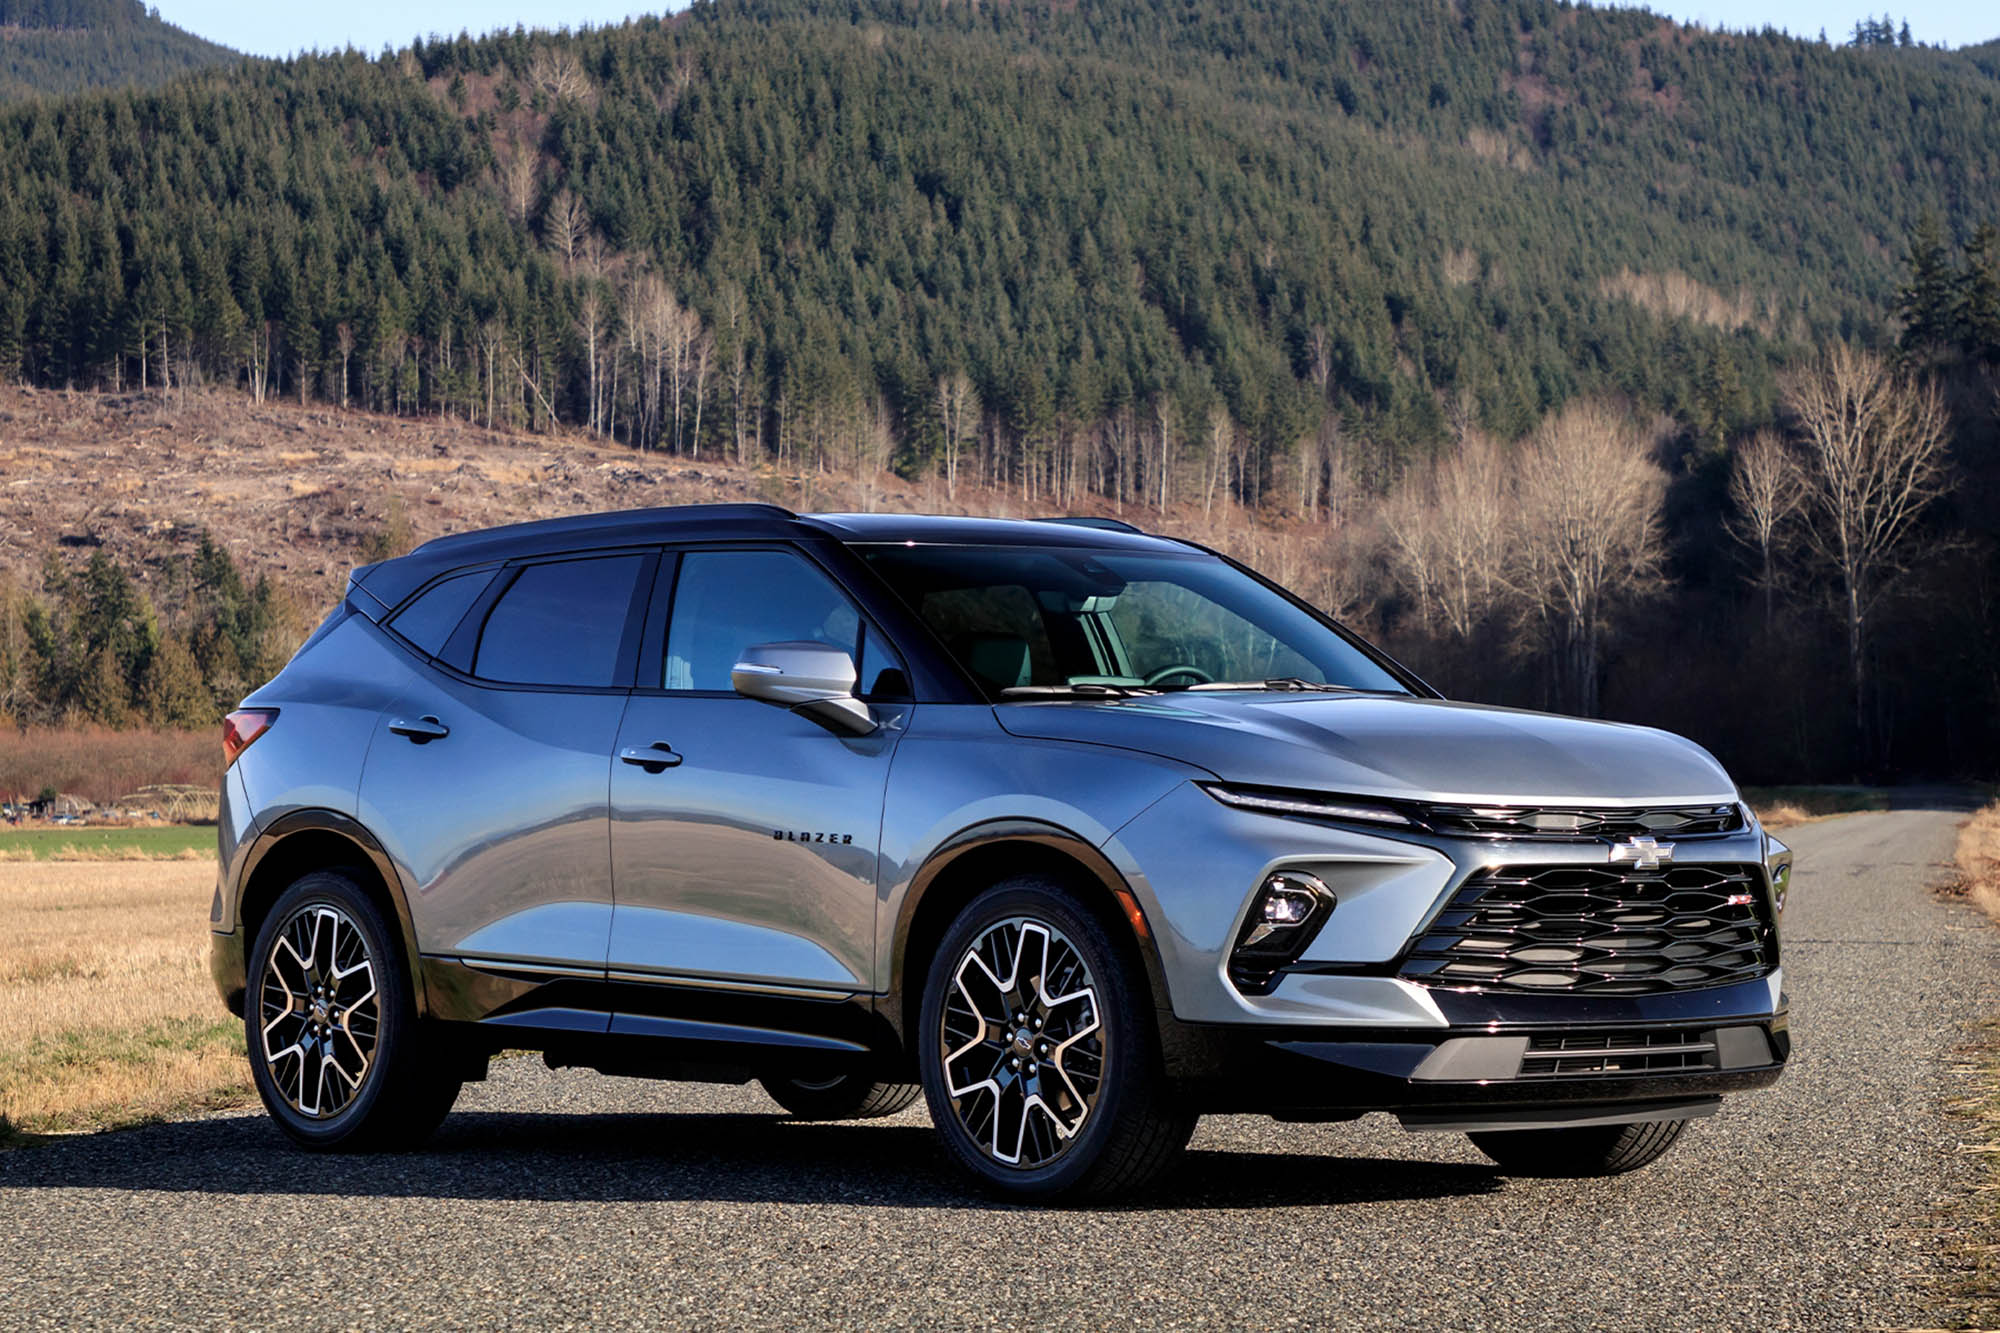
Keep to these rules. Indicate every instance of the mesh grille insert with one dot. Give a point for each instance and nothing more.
(1598, 929)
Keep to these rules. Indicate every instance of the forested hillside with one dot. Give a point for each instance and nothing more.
(64, 46)
(1282, 257)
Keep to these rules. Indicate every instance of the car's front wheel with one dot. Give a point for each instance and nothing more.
(1590, 1150)
(336, 1049)
(1039, 1058)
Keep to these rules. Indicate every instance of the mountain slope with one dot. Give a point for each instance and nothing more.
(1148, 211)
(65, 46)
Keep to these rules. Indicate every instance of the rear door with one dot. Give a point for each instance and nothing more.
(744, 837)
(488, 781)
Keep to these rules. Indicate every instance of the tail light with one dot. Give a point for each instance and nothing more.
(241, 728)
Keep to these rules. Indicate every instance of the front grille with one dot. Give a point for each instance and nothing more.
(1574, 824)
(1603, 930)
(1573, 1055)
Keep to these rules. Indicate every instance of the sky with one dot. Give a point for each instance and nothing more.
(1936, 22)
(263, 29)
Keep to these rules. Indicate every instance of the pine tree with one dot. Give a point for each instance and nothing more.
(1927, 303)
(1979, 295)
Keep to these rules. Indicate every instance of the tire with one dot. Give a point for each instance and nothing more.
(1108, 1120)
(841, 1097)
(320, 1077)
(1588, 1150)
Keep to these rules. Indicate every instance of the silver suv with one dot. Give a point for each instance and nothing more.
(1073, 831)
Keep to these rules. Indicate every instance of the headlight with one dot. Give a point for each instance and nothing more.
(1287, 912)
(1313, 805)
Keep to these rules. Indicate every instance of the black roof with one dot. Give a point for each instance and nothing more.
(1091, 534)
(392, 580)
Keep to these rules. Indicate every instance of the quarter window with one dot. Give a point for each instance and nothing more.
(560, 624)
(427, 623)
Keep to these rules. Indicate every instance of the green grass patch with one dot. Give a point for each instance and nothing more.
(165, 842)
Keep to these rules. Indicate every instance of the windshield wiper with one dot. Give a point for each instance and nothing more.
(1293, 684)
(1090, 690)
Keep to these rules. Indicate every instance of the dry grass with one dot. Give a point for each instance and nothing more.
(107, 1013)
(1781, 807)
(1979, 860)
(1973, 1257)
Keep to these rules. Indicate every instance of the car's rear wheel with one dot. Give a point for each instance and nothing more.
(1039, 1059)
(1589, 1150)
(839, 1096)
(336, 1049)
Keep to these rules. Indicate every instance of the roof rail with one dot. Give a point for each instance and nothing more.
(1107, 524)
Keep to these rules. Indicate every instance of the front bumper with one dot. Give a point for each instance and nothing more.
(1528, 1060)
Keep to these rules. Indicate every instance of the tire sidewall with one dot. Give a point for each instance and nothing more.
(1128, 1043)
(392, 984)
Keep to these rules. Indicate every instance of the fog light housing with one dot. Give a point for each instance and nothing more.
(1289, 909)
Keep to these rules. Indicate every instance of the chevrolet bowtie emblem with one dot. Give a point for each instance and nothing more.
(1642, 853)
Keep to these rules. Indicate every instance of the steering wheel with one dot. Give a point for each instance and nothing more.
(1195, 674)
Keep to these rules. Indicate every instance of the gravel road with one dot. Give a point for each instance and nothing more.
(566, 1198)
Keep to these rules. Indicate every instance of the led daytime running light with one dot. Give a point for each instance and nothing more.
(1306, 803)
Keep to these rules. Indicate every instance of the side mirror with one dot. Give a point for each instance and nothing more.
(808, 678)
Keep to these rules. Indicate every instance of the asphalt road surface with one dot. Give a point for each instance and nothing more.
(567, 1198)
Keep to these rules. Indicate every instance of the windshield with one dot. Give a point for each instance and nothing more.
(1025, 621)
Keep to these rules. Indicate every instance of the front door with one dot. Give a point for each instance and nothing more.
(744, 837)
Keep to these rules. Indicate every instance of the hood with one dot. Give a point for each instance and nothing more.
(1393, 747)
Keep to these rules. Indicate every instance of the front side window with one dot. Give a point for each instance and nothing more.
(560, 624)
(727, 601)
(1040, 618)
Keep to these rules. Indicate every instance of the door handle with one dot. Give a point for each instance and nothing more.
(655, 758)
(421, 732)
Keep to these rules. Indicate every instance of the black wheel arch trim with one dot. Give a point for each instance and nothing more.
(991, 835)
(368, 851)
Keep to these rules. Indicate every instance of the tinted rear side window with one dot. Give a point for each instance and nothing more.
(560, 624)
(427, 623)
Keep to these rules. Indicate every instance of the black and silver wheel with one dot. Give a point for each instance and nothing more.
(1039, 1059)
(335, 1047)
(1588, 1150)
(838, 1096)
(321, 1011)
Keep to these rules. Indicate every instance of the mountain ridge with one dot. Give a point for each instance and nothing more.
(67, 46)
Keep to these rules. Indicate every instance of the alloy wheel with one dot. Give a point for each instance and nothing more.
(321, 1013)
(1023, 1042)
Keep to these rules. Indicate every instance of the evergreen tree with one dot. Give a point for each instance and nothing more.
(1927, 302)
(1979, 298)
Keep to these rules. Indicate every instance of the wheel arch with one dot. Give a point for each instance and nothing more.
(979, 857)
(303, 841)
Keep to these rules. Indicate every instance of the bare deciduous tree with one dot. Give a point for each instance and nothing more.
(590, 323)
(1588, 536)
(1765, 487)
(517, 181)
(565, 224)
(1874, 459)
(556, 71)
(1449, 536)
(958, 410)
